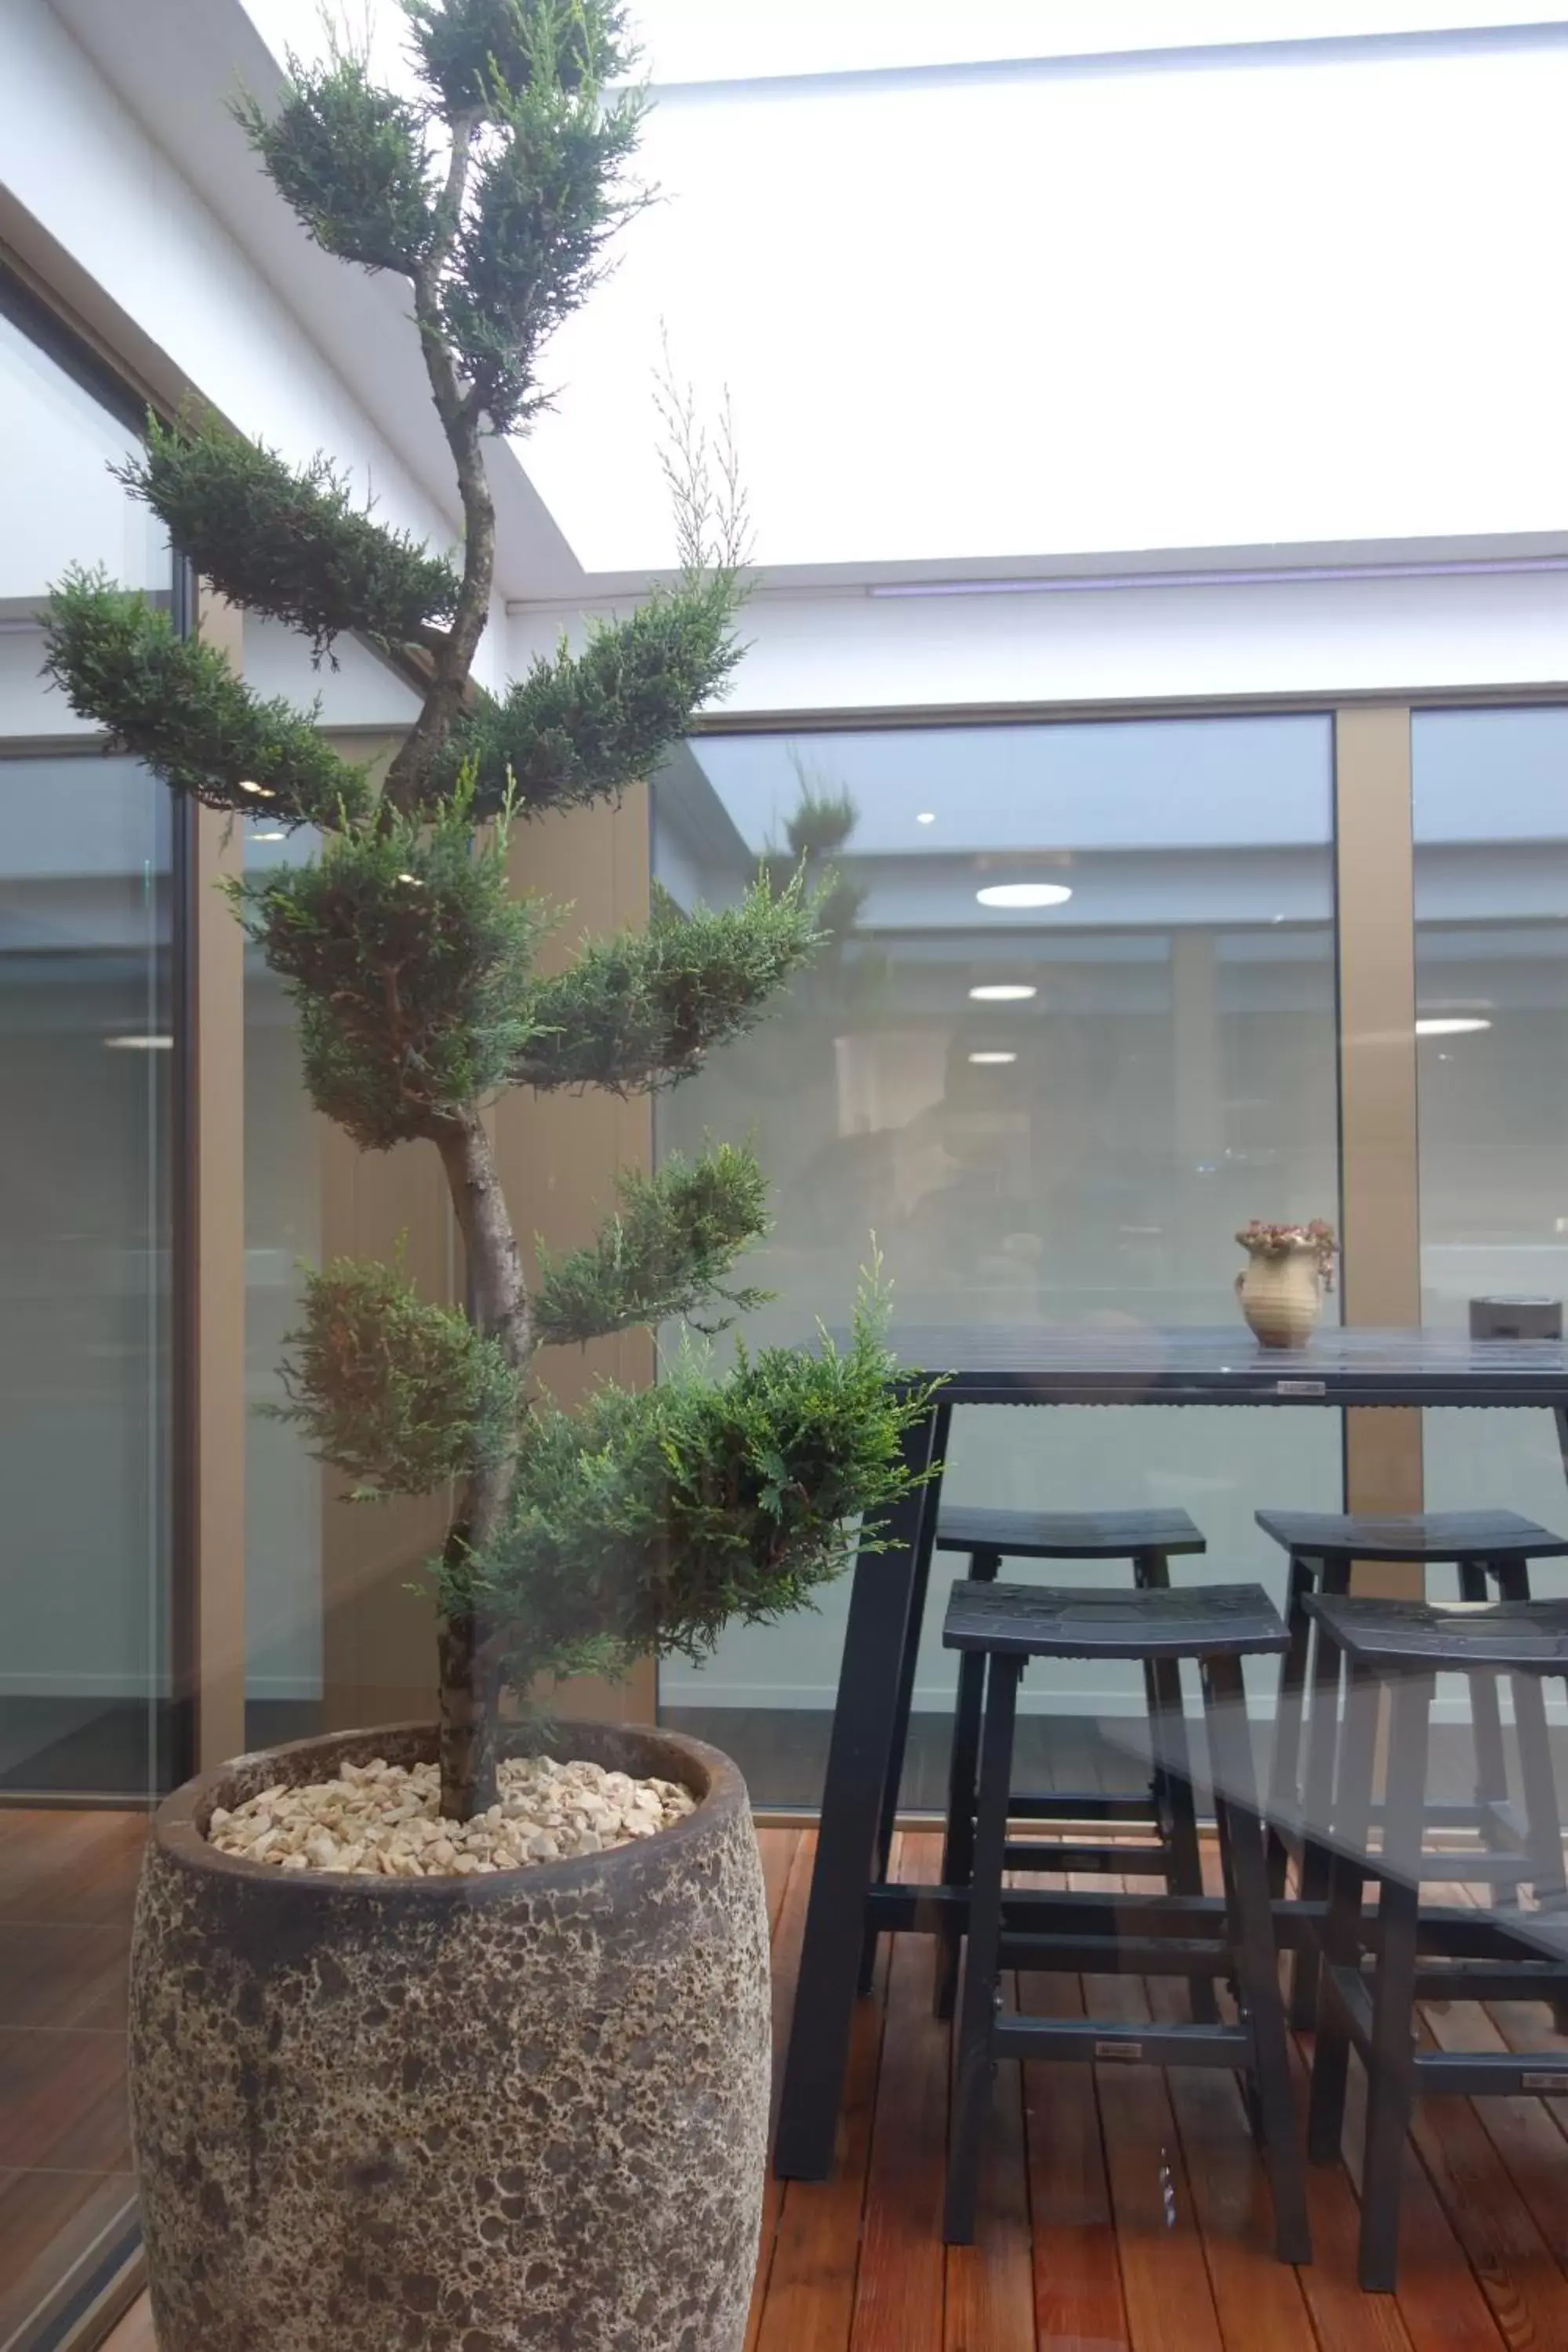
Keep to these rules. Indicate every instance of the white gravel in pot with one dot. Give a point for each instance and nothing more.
(381, 1819)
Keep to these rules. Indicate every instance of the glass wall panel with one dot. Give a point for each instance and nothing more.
(1491, 908)
(86, 1063)
(1053, 1111)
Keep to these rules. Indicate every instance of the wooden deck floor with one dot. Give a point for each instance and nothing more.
(1126, 2213)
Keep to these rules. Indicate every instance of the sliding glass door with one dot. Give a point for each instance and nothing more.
(1075, 1026)
(86, 1066)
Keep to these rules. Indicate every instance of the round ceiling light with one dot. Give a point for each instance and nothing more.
(1004, 992)
(1024, 893)
(1451, 1025)
(926, 816)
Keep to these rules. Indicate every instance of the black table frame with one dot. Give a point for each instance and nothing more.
(852, 1900)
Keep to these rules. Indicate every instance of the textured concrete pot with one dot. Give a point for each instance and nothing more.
(524, 2113)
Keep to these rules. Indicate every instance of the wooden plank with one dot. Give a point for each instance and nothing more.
(1528, 2145)
(810, 2297)
(62, 2102)
(1164, 2278)
(134, 2333)
(51, 2222)
(1439, 2301)
(789, 1927)
(1258, 2299)
(1344, 2319)
(779, 1849)
(1077, 2272)
(898, 2294)
(991, 2284)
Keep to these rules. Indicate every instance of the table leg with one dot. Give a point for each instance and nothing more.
(865, 1726)
(907, 1671)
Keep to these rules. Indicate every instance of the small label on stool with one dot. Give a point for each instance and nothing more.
(1301, 1388)
(1131, 2049)
(1558, 2082)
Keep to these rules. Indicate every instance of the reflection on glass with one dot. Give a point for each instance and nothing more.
(1491, 967)
(86, 1062)
(1073, 1027)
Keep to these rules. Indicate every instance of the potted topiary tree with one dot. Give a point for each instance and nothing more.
(435, 2043)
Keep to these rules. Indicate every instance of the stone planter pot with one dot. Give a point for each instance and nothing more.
(524, 2113)
(1282, 1295)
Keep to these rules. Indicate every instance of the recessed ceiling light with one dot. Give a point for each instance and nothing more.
(1451, 1025)
(1004, 992)
(926, 816)
(993, 1057)
(1025, 894)
(140, 1043)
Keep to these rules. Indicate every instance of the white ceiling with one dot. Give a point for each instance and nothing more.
(979, 317)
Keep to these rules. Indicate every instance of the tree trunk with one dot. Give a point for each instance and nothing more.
(498, 1305)
(468, 1785)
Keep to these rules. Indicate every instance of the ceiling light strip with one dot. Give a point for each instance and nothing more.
(1278, 576)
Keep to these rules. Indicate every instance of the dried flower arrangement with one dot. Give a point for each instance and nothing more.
(1278, 1241)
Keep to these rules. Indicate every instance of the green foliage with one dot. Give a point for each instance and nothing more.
(652, 1517)
(465, 47)
(820, 822)
(401, 1395)
(665, 1254)
(582, 727)
(350, 160)
(177, 705)
(410, 963)
(644, 1010)
(544, 201)
(287, 543)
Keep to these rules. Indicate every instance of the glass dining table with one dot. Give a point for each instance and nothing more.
(852, 1900)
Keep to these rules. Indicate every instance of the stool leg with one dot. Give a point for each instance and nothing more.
(973, 2083)
(1256, 1956)
(1284, 1769)
(1540, 1790)
(1170, 1785)
(1485, 1717)
(1318, 1799)
(958, 1845)
(1392, 2070)
(1340, 1944)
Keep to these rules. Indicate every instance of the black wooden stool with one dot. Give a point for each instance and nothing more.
(1005, 1625)
(1490, 1549)
(1371, 1976)
(1148, 1541)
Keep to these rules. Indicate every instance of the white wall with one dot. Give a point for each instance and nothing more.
(853, 651)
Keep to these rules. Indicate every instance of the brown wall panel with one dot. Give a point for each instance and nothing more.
(558, 1154)
(1379, 1140)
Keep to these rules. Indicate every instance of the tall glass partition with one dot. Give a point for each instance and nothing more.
(1491, 966)
(1073, 1027)
(87, 1061)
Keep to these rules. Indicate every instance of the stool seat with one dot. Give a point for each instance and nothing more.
(1520, 1635)
(1437, 1536)
(1065, 1535)
(1032, 1621)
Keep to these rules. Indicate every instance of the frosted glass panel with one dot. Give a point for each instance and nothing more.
(1080, 1148)
(1491, 906)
